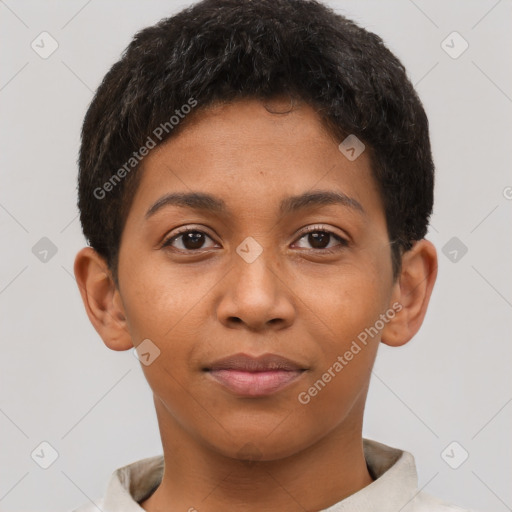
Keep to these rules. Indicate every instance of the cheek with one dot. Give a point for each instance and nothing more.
(167, 307)
(161, 300)
(351, 302)
(340, 378)
(336, 395)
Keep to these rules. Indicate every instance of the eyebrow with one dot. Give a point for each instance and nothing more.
(291, 204)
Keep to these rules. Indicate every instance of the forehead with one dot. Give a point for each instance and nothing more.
(251, 152)
(284, 119)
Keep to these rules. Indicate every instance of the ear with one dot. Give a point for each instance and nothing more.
(412, 290)
(101, 299)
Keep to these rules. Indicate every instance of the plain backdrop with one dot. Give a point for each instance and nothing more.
(60, 385)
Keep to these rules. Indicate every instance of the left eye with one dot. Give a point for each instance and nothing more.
(321, 238)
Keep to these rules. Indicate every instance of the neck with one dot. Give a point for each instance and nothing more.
(197, 478)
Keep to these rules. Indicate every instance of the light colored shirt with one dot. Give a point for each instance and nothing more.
(394, 489)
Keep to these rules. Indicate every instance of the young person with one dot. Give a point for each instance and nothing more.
(255, 185)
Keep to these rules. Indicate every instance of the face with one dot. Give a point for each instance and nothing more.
(255, 286)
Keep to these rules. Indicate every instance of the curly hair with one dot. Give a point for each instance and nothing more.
(224, 50)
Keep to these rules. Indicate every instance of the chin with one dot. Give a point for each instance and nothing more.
(261, 444)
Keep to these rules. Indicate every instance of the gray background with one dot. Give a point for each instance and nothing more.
(60, 384)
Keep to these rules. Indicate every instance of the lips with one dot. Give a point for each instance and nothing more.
(263, 363)
(250, 376)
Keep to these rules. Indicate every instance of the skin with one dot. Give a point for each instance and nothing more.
(223, 451)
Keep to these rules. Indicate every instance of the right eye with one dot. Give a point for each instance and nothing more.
(190, 240)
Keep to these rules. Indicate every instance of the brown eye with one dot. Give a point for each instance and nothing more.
(190, 240)
(319, 239)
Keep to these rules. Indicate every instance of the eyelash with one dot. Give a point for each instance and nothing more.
(313, 229)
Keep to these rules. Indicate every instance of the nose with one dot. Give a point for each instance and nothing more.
(256, 296)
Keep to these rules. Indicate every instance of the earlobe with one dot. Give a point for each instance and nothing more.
(101, 299)
(412, 291)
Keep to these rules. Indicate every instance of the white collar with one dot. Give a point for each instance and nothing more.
(394, 487)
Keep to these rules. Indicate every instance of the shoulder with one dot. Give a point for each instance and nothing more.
(424, 502)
